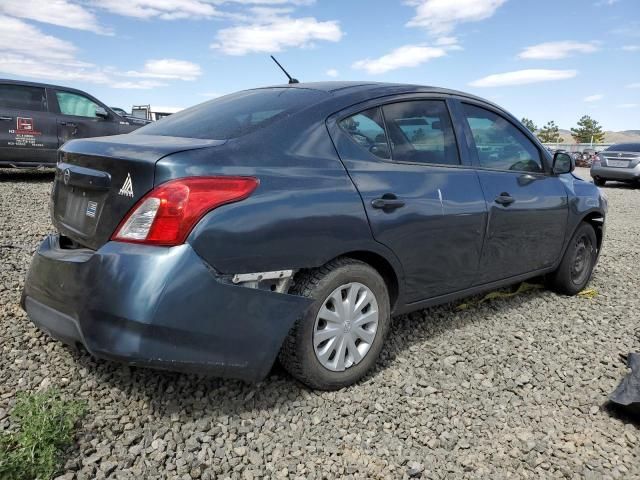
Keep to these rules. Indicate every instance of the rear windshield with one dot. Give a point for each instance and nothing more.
(234, 115)
(624, 147)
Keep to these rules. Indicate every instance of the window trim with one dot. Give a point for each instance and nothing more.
(47, 107)
(394, 100)
(473, 148)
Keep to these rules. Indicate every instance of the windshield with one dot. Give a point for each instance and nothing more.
(625, 147)
(234, 115)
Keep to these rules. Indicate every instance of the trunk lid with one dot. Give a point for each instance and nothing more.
(99, 180)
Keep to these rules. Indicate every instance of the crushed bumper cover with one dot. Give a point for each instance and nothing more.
(157, 307)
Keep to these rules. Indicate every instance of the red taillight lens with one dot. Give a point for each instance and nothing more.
(166, 215)
(597, 160)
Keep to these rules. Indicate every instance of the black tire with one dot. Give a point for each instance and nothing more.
(298, 356)
(577, 265)
(599, 182)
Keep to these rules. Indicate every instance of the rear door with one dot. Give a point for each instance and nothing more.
(77, 117)
(421, 199)
(27, 129)
(527, 205)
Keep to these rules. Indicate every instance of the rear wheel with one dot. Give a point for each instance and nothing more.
(578, 262)
(600, 182)
(339, 339)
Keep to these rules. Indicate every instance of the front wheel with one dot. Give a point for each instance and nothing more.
(578, 262)
(340, 337)
(599, 182)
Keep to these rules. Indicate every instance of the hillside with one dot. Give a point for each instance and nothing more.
(610, 137)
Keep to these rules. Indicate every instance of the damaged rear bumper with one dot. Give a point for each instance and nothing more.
(157, 307)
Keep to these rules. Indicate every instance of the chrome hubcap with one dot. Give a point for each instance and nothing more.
(345, 327)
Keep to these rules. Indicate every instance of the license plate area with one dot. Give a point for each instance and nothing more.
(618, 163)
(79, 210)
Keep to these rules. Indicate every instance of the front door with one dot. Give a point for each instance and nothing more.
(78, 119)
(27, 129)
(527, 205)
(421, 201)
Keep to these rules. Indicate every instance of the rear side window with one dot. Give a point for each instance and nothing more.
(23, 98)
(499, 144)
(421, 132)
(234, 115)
(367, 129)
(74, 104)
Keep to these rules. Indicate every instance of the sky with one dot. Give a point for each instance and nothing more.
(544, 60)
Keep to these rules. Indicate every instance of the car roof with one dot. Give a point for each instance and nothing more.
(38, 84)
(340, 88)
(376, 89)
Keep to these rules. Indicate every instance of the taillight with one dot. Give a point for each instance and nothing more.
(597, 160)
(167, 214)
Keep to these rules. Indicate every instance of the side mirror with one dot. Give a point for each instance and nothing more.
(101, 112)
(563, 163)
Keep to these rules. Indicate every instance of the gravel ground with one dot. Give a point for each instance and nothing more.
(509, 388)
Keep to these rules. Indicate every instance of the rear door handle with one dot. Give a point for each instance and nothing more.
(6, 119)
(505, 199)
(388, 202)
(69, 124)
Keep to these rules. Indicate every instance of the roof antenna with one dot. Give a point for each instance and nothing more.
(291, 79)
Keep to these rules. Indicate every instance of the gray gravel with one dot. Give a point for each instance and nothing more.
(510, 388)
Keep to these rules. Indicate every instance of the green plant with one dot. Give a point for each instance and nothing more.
(550, 133)
(588, 130)
(46, 424)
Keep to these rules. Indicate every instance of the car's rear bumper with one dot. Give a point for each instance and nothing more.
(158, 307)
(614, 173)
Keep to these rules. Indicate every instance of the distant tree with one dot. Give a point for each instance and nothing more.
(529, 124)
(550, 133)
(587, 128)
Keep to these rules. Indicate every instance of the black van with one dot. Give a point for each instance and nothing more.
(36, 119)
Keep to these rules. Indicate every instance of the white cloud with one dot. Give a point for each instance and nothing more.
(332, 72)
(593, 98)
(631, 48)
(29, 53)
(556, 50)
(634, 85)
(523, 77)
(276, 35)
(162, 9)
(628, 105)
(168, 68)
(22, 38)
(405, 56)
(56, 12)
(441, 16)
(141, 85)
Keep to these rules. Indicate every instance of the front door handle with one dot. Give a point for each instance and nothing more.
(6, 119)
(388, 202)
(505, 199)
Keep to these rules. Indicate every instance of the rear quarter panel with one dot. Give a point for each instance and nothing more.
(305, 212)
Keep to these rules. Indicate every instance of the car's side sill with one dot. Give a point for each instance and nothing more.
(450, 297)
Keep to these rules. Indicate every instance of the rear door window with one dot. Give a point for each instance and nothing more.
(499, 144)
(367, 129)
(21, 97)
(421, 132)
(75, 104)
